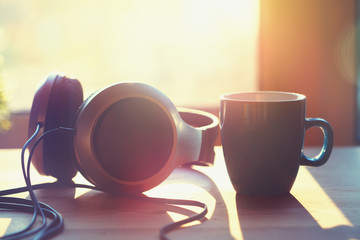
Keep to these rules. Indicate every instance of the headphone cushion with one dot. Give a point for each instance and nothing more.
(58, 152)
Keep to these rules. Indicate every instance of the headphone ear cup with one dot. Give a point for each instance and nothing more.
(57, 158)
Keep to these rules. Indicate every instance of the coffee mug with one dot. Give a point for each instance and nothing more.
(262, 136)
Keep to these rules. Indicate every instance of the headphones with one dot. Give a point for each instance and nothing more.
(125, 138)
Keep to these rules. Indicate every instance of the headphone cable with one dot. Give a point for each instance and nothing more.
(46, 230)
(32, 204)
(25, 205)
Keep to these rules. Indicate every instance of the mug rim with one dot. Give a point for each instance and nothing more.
(263, 96)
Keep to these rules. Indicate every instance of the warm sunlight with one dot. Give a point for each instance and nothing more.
(221, 179)
(324, 204)
(184, 47)
(4, 224)
(301, 192)
(178, 190)
(80, 191)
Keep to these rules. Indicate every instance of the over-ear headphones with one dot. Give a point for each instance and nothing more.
(126, 139)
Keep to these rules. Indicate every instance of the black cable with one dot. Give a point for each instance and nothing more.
(26, 205)
(167, 228)
(46, 186)
(23, 231)
(57, 223)
(36, 206)
(45, 230)
(56, 226)
(172, 226)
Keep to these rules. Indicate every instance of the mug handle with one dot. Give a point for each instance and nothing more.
(325, 152)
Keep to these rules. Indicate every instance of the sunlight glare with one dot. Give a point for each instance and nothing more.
(4, 224)
(182, 47)
(345, 54)
(80, 191)
(222, 180)
(183, 191)
(322, 203)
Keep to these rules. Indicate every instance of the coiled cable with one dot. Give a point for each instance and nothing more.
(46, 212)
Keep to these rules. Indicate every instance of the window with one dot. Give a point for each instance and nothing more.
(192, 50)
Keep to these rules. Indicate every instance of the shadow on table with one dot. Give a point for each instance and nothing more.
(283, 217)
(97, 215)
(343, 168)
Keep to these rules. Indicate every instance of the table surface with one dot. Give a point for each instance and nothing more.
(324, 203)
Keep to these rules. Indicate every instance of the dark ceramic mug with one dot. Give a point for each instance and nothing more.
(262, 135)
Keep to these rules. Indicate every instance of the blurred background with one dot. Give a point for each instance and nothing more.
(192, 50)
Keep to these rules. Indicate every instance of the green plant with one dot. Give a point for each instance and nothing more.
(4, 113)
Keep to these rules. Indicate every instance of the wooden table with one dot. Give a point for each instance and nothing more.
(324, 204)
